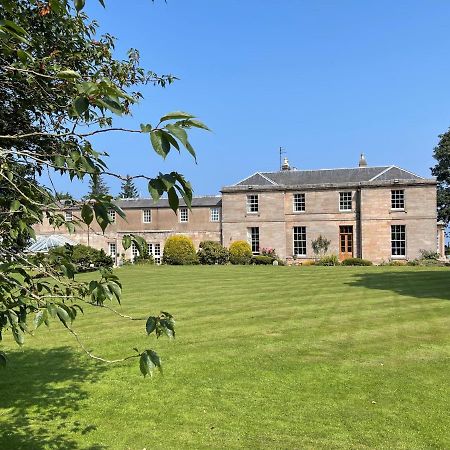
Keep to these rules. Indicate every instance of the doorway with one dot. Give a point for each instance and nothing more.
(345, 242)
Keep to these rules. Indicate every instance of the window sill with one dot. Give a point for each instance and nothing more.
(398, 257)
(346, 210)
(398, 210)
(298, 212)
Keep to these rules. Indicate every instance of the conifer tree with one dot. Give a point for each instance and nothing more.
(128, 189)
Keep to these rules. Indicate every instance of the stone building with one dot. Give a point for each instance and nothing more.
(376, 213)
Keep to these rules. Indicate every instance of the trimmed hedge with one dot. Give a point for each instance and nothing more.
(262, 260)
(240, 252)
(179, 251)
(211, 252)
(356, 262)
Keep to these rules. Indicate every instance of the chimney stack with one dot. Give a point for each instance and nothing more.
(285, 165)
(362, 161)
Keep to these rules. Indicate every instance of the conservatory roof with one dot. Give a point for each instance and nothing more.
(44, 243)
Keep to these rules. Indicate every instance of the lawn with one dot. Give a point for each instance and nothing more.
(265, 357)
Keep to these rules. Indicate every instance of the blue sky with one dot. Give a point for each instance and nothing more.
(326, 80)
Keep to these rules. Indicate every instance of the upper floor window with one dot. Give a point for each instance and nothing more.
(184, 215)
(252, 203)
(147, 215)
(345, 201)
(112, 216)
(68, 216)
(398, 199)
(299, 202)
(398, 240)
(214, 214)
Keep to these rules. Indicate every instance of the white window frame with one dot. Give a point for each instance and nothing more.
(254, 240)
(214, 214)
(112, 215)
(154, 249)
(147, 216)
(299, 241)
(111, 253)
(134, 250)
(398, 235)
(252, 203)
(343, 201)
(299, 202)
(398, 198)
(68, 216)
(184, 215)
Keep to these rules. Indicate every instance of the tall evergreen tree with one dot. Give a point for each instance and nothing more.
(442, 173)
(97, 186)
(128, 189)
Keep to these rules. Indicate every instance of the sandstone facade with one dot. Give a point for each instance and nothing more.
(377, 213)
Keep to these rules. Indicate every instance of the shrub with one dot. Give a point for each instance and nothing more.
(144, 259)
(269, 252)
(179, 251)
(331, 260)
(320, 246)
(356, 262)
(84, 258)
(211, 252)
(240, 252)
(262, 260)
(429, 255)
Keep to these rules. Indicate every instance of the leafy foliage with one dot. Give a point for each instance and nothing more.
(442, 173)
(84, 258)
(60, 85)
(240, 252)
(179, 250)
(320, 246)
(356, 262)
(262, 260)
(331, 260)
(211, 252)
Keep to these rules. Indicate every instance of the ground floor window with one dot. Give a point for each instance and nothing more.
(253, 238)
(112, 249)
(398, 240)
(154, 249)
(300, 241)
(134, 250)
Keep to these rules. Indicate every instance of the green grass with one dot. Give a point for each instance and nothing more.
(265, 357)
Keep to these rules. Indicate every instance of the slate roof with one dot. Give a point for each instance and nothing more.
(208, 200)
(328, 176)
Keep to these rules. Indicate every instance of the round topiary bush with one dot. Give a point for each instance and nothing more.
(211, 252)
(179, 251)
(240, 252)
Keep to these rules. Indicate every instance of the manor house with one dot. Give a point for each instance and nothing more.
(376, 213)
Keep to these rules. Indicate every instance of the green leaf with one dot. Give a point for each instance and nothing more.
(126, 242)
(146, 128)
(155, 359)
(40, 318)
(18, 335)
(197, 124)
(145, 364)
(101, 215)
(159, 143)
(79, 4)
(150, 325)
(87, 214)
(81, 104)
(68, 74)
(15, 205)
(173, 199)
(111, 104)
(63, 316)
(176, 115)
(178, 132)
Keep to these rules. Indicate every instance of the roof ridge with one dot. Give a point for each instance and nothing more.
(319, 170)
